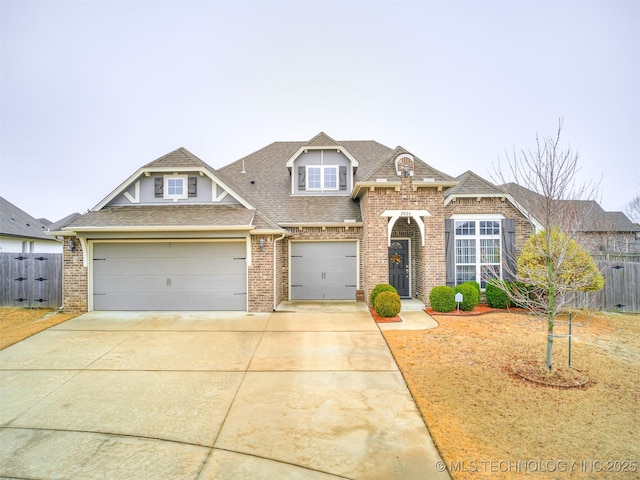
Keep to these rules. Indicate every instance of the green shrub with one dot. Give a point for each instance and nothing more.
(476, 285)
(496, 296)
(387, 304)
(470, 295)
(442, 299)
(381, 287)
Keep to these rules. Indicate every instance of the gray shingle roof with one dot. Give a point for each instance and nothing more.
(471, 183)
(18, 223)
(181, 157)
(165, 216)
(267, 183)
(385, 168)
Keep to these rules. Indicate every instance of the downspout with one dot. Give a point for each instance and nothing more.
(274, 271)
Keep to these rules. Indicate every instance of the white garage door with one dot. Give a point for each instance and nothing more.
(324, 270)
(169, 276)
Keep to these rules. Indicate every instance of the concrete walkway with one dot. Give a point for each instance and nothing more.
(296, 394)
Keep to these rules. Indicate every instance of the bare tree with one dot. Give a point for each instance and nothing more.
(545, 180)
(633, 209)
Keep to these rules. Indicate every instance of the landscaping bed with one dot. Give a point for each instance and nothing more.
(489, 421)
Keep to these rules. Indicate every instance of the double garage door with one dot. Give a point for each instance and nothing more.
(169, 276)
(324, 270)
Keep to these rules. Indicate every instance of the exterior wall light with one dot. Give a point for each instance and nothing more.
(261, 241)
(72, 245)
(405, 170)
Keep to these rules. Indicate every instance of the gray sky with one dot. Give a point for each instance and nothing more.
(93, 90)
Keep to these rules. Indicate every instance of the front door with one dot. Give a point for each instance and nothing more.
(399, 275)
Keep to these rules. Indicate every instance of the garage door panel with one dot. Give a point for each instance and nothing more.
(170, 276)
(323, 270)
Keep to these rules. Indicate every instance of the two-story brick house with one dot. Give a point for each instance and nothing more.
(319, 219)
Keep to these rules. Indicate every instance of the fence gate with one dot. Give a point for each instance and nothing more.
(31, 279)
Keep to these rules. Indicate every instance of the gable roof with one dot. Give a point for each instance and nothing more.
(321, 140)
(587, 215)
(385, 168)
(15, 222)
(472, 185)
(179, 158)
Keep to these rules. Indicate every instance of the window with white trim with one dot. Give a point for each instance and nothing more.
(175, 187)
(322, 177)
(478, 251)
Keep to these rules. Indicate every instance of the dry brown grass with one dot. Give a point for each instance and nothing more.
(16, 324)
(488, 422)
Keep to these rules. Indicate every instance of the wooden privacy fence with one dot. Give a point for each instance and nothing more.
(621, 291)
(31, 280)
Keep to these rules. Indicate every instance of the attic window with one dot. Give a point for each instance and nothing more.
(175, 187)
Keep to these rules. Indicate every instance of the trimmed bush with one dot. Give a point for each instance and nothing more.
(381, 287)
(475, 284)
(496, 296)
(470, 295)
(442, 299)
(387, 304)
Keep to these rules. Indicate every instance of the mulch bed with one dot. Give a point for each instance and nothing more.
(560, 376)
(479, 309)
(380, 319)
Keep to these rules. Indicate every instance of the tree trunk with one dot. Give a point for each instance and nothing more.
(551, 308)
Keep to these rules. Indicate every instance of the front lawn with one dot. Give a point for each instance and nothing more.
(487, 422)
(16, 324)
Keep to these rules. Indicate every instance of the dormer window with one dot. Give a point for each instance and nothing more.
(323, 177)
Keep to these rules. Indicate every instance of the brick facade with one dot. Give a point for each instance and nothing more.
(74, 279)
(428, 261)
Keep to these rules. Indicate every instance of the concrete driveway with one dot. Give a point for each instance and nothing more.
(200, 395)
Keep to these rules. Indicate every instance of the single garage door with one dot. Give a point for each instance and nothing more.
(169, 276)
(324, 270)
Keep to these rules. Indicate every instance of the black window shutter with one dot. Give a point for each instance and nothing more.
(508, 249)
(193, 186)
(301, 178)
(158, 186)
(343, 177)
(450, 252)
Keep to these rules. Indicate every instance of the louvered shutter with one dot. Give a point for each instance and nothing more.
(193, 187)
(301, 178)
(450, 252)
(508, 228)
(343, 178)
(158, 186)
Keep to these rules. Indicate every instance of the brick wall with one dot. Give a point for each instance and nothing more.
(74, 279)
(260, 275)
(428, 261)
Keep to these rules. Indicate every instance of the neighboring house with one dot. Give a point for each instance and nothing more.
(602, 233)
(21, 233)
(309, 220)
